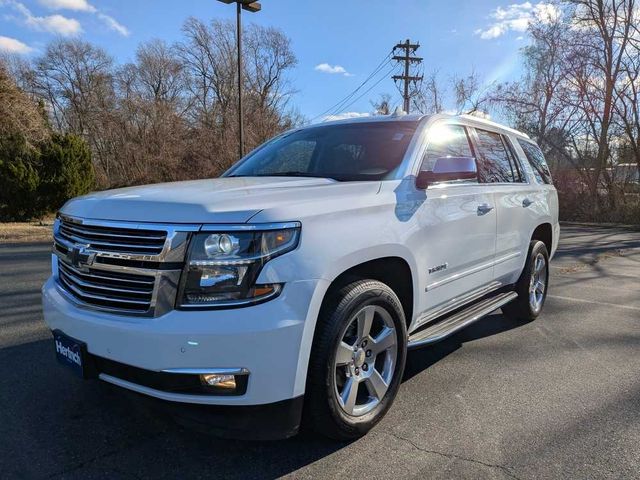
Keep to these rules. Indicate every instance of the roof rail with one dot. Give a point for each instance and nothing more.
(493, 124)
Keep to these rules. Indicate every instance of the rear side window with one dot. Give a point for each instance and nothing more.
(536, 159)
(494, 163)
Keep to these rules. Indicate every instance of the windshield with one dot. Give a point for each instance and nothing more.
(344, 152)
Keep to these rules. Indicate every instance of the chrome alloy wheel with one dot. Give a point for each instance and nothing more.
(537, 284)
(365, 360)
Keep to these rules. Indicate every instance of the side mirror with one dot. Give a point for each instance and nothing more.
(446, 169)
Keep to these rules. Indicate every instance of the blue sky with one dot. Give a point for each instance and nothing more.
(350, 36)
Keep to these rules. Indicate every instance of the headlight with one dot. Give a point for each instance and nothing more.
(222, 267)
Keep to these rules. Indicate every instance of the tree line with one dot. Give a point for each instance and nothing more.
(579, 98)
(39, 167)
(171, 114)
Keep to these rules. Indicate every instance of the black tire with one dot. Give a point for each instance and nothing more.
(523, 307)
(323, 412)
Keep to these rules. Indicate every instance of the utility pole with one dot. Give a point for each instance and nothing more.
(253, 7)
(408, 48)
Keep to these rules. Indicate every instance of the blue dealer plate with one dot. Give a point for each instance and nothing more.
(70, 352)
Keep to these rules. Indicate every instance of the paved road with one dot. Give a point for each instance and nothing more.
(555, 398)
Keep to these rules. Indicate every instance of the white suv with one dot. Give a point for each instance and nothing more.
(289, 290)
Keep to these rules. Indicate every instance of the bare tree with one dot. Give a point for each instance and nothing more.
(151, 103)
(383, 106)
(627, 105)
(537, 102)
(269, 57)
(459, 94)
(602, 37)
(471, 96)
(75, 80)
(19, 115)
(209, 57)
(579, 96)
(431, 96)
(171, 113)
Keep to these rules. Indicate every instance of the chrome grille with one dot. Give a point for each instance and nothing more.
(110, 239)
(118, 291)
(121, 267)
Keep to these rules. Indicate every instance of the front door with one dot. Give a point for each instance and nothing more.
(456, 239)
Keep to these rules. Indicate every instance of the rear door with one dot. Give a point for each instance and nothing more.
(455, 243)
(499, 168)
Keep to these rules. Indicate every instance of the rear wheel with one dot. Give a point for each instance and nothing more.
(532, 285)
(357, 360)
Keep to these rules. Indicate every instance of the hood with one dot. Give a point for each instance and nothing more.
(219, 200)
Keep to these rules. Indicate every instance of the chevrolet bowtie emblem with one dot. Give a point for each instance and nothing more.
(80, 257)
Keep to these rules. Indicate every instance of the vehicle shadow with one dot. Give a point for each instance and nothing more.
(420, 359)
(63, 426)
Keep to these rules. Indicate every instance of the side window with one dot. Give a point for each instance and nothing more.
(516, 166)
(536, 159)
(446, 141)
(494, 165)
(295, 156)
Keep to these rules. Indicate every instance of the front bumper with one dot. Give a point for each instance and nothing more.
(271, 340)
(272, 421)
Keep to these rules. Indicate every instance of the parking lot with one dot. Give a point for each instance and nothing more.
(554, 398)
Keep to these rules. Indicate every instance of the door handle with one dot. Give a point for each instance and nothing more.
(526, 202)
(484, 208)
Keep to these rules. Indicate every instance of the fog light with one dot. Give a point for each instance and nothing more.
(219, 381)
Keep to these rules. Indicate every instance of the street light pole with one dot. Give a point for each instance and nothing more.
(250, 6)
(240, 83)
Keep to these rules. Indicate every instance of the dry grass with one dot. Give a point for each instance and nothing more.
(18, 232)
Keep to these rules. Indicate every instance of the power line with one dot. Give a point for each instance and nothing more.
(407, 59)
(384, 77)
(344, 106)
(385, 61)
(339, 105)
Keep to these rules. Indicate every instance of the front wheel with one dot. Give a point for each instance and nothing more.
(532, 285)
(357, 360)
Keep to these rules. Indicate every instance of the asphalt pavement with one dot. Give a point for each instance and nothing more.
(555, 398)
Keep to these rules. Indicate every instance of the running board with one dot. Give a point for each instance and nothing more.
(457, 321)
